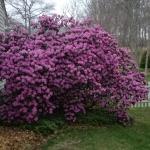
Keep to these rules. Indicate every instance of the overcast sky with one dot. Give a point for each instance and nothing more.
(59, 5)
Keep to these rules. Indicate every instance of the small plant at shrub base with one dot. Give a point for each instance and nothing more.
(44, 126)
(66, 65)
(96, 117)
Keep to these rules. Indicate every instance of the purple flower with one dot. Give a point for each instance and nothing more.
(51, 70)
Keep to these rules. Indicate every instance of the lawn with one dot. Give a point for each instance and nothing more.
(106, 137)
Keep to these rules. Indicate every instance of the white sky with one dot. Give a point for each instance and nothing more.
(59, 5)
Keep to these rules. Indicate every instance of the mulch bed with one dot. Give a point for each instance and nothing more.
(16, 139)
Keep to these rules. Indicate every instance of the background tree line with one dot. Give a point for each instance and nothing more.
(128, 20)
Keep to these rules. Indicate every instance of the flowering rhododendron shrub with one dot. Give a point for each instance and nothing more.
(66, 66)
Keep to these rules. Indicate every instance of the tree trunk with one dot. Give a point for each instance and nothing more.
(146, 63)
(25, 10)
(141, 53)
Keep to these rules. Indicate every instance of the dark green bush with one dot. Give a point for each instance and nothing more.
(45, 126)
(142, 64)
(51, 125)
(97, 117)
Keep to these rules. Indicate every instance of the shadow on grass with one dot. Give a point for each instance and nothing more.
(106, 137)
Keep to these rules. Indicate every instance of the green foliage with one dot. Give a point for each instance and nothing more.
(51, 125)
(97, 117)
(142, 65)
(148, 77)
(45, 126)
(93, 117)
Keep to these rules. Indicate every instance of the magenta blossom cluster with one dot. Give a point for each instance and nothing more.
(66, 66)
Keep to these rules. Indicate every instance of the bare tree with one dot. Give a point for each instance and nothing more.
(128, 20)
(75, 8)
(28, 10)
(146, 61)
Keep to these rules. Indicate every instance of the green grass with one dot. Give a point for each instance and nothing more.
(106, 137)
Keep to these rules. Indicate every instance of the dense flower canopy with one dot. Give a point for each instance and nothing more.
(66, 65)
